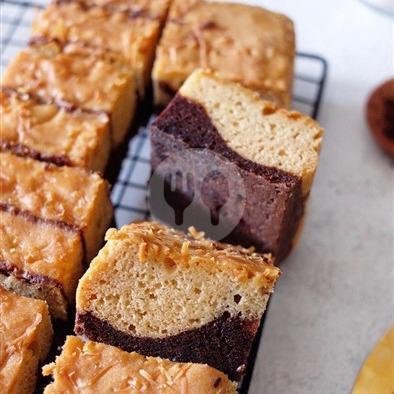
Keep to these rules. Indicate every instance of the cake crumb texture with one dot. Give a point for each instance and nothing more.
(258, 130)
(151, 281)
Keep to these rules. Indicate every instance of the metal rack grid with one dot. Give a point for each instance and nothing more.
(129, 192)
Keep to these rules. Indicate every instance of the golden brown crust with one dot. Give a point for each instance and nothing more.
(97, 367)
(55, 70)
(133, 38)
(175, 279)
(53, 133)
(26, 335)
(160, 243)
(83, 76)
(246, 44)
(41, 248)
(67, 194)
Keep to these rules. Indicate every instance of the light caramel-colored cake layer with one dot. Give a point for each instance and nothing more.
(67, 194)
(256, 129)
(40, 259)
(92, 367)
(25, 338)
(133, 32)
(52, 132)
(246, 44)
(151, 281)
(82, 76)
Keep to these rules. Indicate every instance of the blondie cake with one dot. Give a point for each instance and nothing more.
(246, 44)
(97, 368)
(156, 291)
(25, 338)
(275, 152)
(69, 195)
(131, 30)
(49, 131)
(78, 76)
(40, 258)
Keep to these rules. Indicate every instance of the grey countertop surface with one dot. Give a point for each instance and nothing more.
(335, 297)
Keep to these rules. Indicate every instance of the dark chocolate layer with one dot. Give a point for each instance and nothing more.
(223, 343)
(189, 121)
(5, 207)
(274, 202)
(8, 269)
(25, 151)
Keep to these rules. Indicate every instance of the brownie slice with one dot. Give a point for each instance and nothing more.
(156, 291)
(25, 338)
(273, 152)
(49, 131)
(131, 30)
(247, 44)
(69, 195)
(40, 258)
(101, 368)
(79, 76)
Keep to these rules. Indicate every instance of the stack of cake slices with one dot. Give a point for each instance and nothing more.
(66, 101)
(157, 310)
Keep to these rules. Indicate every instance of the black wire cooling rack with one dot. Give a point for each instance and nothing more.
(129, 192)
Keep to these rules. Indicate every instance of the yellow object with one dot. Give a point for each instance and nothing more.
(377, 374)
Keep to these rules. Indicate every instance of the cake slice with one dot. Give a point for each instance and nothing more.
(97, 368)
(247, 44)
(69, 195)
(78, 76)
(44, 130)
(40, 258)
(274, 153)
(161, 293)
(132, 32)
(25, 338)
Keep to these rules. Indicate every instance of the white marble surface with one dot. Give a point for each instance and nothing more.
(335, 297)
